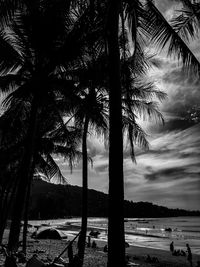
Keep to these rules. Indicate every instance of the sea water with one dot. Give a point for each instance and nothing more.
(145, 232)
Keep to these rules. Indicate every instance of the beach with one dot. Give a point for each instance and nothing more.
(47, 250)
(140, 232)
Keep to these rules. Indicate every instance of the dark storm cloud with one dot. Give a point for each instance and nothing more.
(167, 172)
(171, 173)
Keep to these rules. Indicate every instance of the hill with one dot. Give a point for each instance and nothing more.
(50, 201)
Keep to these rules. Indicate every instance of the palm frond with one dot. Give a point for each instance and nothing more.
(70, 153)
(187, 24)
(146, 110)
(145, 91)
(10, 59)
(22, 93)
(164, 35)
(53, 171)
(133, 12)
(8, 82)
(7, 10)
(136, 136)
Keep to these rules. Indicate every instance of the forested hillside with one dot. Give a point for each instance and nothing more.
(58, 201)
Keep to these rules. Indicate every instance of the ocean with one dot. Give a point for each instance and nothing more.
(144, 232)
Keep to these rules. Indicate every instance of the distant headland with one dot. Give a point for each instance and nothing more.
(50, 201)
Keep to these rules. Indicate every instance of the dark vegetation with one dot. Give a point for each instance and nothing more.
(50, 201)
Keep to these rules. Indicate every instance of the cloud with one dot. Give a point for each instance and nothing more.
(101, 164)
(168, 174)
(183, 94)
(95, 146)
(169, 171)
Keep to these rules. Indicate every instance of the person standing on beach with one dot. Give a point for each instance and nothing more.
(171, 246)
(189, 257)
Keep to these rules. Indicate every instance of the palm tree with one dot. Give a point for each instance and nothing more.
(149, 20)
(53, 137)
(9, 160)
(41, 52)
(116, 242)
(90, 115)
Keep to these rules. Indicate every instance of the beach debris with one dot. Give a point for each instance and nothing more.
(94, 233)
(49, 233)
(130, 263)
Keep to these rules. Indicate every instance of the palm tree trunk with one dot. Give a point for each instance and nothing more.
(6, 206)
(25, 228)
(3, 211)
(2, 197)
(116, 241)
(24, 176)
(82, 238)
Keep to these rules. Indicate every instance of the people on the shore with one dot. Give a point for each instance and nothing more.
(94, 244)
(89, 242)
(150, 259)
(183, 253)
(189, 255)
(178, 252)
(171, 246)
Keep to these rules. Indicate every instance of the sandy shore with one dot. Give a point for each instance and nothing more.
(47, 250)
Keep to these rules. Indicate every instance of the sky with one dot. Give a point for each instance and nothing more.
(169, 173)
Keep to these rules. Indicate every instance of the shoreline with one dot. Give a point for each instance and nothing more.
(137, 239)
(47, 250)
